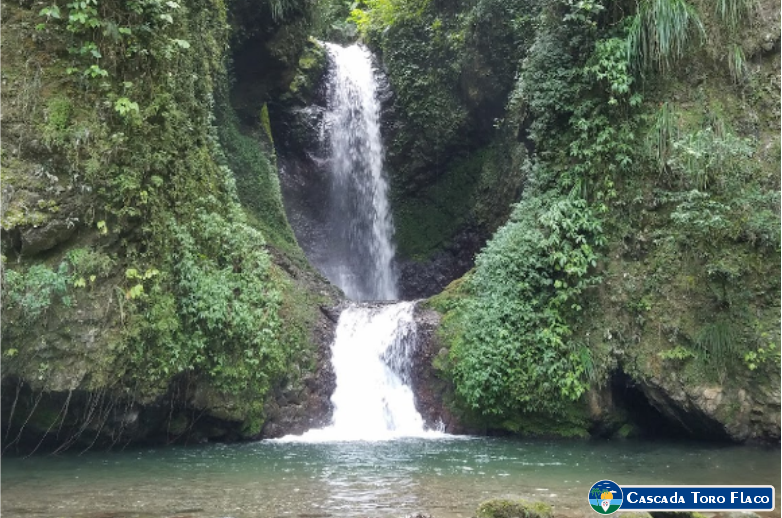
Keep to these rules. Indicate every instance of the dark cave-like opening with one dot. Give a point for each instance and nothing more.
(650, 422)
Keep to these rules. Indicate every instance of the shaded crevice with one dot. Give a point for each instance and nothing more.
(647, 421)
(652, 414)
(51, 422)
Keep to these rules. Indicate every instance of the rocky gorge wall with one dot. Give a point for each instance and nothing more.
(675, 308)
(624, 218)
(152, 287)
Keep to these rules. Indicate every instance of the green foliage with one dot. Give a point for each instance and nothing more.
(58, 116)
(215, 308)
(705, 156)
(266, 123)
(377, 15)
(736, 63)
(331, 20)
(767, 353)
(719, 342)
(698, 158)
(662, 135)
(96, 38)
(515, 352)
(34, 290)
(720, 185)
(732, 12)
(87, 262)
(609, 64)
(126, 108)
(662, 32)
(678, 353)
(257, 184)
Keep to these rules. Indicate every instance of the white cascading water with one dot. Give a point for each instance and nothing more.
(373, 345)
(360, 258)
(373, 400)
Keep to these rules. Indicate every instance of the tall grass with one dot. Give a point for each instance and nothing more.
(719, 342)
(661, 33)
(662, 135)
(736, 63)
(732, 12)
(281, 8)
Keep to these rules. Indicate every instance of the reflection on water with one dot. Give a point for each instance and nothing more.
(446, 478)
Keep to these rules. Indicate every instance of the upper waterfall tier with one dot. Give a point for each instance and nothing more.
(359, 251)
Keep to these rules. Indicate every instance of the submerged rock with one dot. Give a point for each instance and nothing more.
(500, 508)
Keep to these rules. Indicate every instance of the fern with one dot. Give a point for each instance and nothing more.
(661, 33)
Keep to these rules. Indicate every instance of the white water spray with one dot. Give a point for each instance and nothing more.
(371, 357)
(374, 343)
(360, 229)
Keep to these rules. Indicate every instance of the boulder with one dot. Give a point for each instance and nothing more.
(501, 508)
(46, 237)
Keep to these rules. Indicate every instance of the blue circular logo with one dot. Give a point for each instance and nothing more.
(605, 497)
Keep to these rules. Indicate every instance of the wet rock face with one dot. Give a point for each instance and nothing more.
(422, 279)
(35, 240)
(301, 160)
(717, 411)
(431, 391)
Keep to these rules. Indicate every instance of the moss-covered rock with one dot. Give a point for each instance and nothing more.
(149, 272)
(513, 509)
(309, 72)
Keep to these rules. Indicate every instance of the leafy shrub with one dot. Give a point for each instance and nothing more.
(34, 290)
(215, 310)
(515, 352)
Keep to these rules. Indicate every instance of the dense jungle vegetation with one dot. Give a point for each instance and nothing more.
(646, 236)
(141, 217)
(622, 155)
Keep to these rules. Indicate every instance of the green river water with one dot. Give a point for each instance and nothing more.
(444, 477)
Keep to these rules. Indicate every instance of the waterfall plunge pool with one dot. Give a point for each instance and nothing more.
(445, 477)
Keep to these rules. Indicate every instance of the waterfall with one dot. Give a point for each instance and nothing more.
(371, 357)
(360, 251)
(374, 342)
